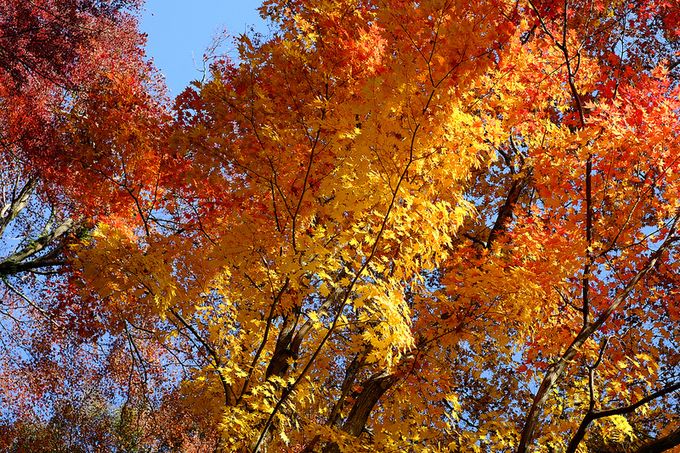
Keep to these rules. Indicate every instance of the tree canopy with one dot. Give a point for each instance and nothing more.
(424, 225)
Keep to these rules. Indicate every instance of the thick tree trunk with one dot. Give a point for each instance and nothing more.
(373, 390)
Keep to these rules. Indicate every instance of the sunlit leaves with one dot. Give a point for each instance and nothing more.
(401, 225)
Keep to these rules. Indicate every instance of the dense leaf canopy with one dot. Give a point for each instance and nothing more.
(424, 225)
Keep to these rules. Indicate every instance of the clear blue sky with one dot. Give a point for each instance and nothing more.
(180, 30)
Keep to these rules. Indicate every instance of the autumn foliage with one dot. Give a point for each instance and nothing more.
(435, 225)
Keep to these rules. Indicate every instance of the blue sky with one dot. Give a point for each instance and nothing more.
(179, 31)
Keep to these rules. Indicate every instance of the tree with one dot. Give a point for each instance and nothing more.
(71, 72)
(432, 225)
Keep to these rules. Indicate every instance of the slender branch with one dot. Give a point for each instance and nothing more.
(304, 182)
(12, 209)
(26, 299)
(632, 407)
(595, 415)
(583, 426)
(663, 443)
(229, 395)
(13, 263)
